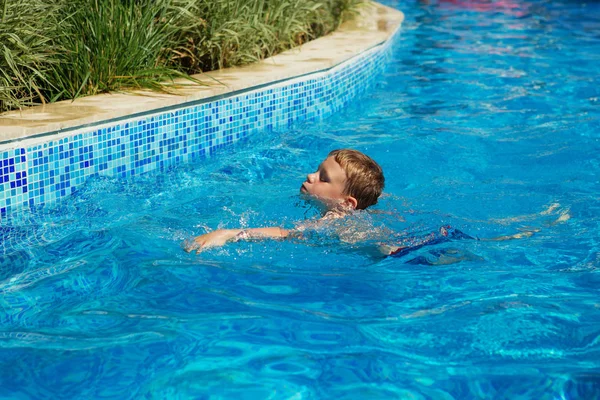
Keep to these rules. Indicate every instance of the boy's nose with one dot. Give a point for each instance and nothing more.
(310, 178)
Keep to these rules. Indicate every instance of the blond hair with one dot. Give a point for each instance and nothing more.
(364, 177)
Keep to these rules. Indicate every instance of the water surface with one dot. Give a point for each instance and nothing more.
(486, 119)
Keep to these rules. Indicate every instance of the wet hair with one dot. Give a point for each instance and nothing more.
(364, 177)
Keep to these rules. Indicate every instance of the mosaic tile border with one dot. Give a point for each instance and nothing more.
(34, 174)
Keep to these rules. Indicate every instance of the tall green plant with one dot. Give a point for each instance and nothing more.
(112, 44)
(26, 51)
(234, 32)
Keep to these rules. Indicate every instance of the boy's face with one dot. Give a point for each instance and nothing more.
(327, 184)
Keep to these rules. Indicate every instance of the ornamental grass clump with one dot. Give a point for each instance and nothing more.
(239, 32)
(83, 47)
(27, 51)
(110, 45)
(54, 50)
(236, 32)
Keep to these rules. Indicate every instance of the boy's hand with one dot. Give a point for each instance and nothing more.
(212, 239)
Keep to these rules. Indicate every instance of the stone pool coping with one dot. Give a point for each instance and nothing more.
(375, 25)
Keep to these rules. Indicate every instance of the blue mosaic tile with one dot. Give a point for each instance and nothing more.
(14, 190)
(44, 173)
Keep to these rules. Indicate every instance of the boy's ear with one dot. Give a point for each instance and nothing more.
(352, 202)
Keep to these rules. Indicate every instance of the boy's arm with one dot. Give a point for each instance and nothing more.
(222, 236)
(254, 233)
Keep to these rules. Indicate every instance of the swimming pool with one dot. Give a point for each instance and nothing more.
(486, 119)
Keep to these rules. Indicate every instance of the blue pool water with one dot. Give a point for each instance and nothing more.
(486, 119)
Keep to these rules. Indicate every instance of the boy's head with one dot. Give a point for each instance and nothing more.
(346, 177)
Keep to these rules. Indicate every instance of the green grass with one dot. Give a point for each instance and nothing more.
(109, 45)
(26, 51)
(54, 50)
(236, 32)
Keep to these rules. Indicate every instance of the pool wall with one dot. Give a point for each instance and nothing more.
(40, 170)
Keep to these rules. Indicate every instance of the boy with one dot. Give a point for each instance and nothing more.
(346, 180)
